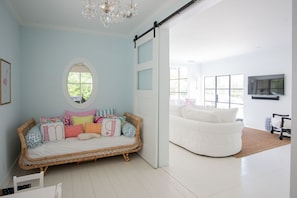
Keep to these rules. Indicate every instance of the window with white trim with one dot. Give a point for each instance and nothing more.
(226, 91)
(178, 83)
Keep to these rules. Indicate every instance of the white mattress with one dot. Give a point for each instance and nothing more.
(74, 145)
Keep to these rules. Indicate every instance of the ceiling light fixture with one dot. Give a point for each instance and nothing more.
(110, 11)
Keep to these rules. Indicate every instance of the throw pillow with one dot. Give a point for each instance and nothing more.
(73, 130)
(104, 112)
(128, 129)
(34, 137)
(200, 115)
(69, 114)
(111, 127)
(227, 115)
(53, 131)
(82, 120)
(98, 119)
(287, 124)
(93, 128)
(175, 109)
(45, 119)
(121, 118)
(86, 136)
(66, 120)
(276, 121)
(201, 107)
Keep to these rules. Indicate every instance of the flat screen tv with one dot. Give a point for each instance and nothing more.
(266, 85)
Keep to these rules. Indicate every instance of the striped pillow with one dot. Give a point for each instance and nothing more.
(104, 112)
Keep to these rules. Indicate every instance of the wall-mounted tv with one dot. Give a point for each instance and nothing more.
(266, 85)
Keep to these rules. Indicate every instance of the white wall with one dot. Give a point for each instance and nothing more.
(294, 108)
(273, 61)
(252, 45)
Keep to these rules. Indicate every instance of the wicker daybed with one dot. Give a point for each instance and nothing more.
(28, 162)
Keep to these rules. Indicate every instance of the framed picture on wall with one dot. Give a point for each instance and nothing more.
(5, 79)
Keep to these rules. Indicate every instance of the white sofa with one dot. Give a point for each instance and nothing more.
(206, 131)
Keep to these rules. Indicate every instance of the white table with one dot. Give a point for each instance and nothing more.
(46, 192)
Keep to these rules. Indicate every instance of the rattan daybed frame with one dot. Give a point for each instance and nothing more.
(27, 163)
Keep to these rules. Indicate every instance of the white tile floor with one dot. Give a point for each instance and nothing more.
(262, 175)
(113, 178)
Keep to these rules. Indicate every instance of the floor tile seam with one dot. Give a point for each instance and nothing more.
(180, 183)
(227, 189)
(92, 183)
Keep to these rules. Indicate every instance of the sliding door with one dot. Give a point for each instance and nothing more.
(151, 93)
(146, 95)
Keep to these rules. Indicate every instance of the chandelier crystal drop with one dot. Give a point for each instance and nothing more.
(109, 11)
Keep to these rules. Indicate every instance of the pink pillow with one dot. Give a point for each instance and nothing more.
(66, 120)
(98, 119)
(45, 119)
(73, 130)
(69, 114)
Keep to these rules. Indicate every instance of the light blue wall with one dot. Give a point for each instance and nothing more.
(9, 113)
(45, 53)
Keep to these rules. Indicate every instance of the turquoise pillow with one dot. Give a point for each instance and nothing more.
(128, 129)
(34, 137)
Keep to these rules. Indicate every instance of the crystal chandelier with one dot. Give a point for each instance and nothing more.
(110, 11)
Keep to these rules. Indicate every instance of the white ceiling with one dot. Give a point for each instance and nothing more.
(230, 28)
(211, 29)
(66, 14)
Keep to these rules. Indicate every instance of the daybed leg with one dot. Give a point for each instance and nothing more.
(44, 169)
(126, 157)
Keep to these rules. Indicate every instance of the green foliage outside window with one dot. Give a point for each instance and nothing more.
(80, 84)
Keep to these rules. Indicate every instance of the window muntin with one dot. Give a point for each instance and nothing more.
(79, 83)
(179, 83)
(224, 92)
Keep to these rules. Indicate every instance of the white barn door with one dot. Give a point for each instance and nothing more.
(148, 102)
(146, 94)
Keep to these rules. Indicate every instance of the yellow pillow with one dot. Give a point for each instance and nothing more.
(93, 128)
(82, 120)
